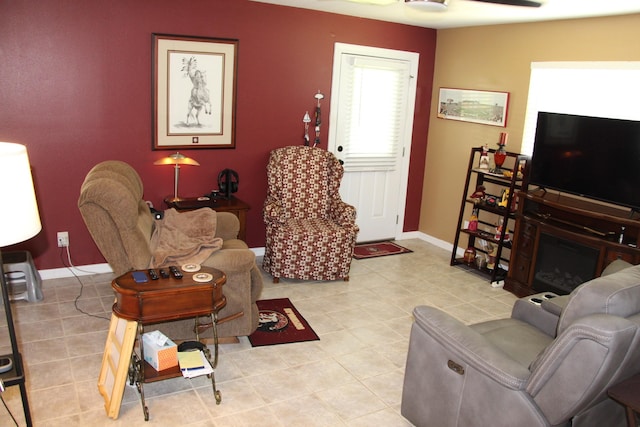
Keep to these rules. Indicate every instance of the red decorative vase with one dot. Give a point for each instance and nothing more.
(499, 157)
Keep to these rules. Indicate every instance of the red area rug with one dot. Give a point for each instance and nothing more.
(280, 323)
(372, 250)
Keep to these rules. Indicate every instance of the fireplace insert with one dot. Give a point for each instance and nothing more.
(562, 265)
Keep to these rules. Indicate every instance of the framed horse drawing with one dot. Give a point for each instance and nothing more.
(194, 92)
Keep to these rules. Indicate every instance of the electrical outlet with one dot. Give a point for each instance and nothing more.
(63, 239)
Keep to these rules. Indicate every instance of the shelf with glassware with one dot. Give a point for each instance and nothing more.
(488, 210)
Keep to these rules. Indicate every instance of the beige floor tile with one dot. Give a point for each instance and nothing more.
(365, 363)
(352, 400)
(50, 374)
(385, 417)
(322, 375)
(237, 396)
(263, 416)
(340, 342)
(306, 411)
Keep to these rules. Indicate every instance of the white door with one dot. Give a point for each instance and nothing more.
(371, 120)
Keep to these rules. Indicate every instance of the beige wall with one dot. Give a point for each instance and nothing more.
(498, 58)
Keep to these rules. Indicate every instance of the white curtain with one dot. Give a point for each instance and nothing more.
(372, 107)
(598, 89)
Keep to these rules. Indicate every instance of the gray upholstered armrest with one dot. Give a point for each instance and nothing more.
(556, 305)
(470, 348)
(543, 315)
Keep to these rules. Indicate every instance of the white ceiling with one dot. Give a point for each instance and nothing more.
(467, 13)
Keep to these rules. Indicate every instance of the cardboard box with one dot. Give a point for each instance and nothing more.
(161, 357)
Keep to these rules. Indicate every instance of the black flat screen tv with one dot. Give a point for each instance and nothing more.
(593, 157)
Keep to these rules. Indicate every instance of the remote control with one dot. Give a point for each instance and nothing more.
(153, 274)
(176, 272)
(164, 274)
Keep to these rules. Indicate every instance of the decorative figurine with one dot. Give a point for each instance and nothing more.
(318, 96)
(492, 250)
(484, 158)
(479, 194)
(490, 200)
(505, 199)
(306, 120)
(473, 221)
(500, 229)
(470, 255)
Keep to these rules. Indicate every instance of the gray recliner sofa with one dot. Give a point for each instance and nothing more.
(550, 364)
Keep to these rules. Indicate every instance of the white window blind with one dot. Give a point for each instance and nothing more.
(372, 107)
(598, 89)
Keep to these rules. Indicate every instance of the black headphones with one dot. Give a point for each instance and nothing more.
(228, 181)
(191, 346)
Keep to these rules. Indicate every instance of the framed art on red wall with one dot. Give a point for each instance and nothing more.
(475, 106)
(194, 92)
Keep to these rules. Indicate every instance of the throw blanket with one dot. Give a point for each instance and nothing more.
(184, 237)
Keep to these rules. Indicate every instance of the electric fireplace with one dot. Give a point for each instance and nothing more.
(562, 265)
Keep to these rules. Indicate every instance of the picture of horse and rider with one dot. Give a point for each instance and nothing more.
(195, 93)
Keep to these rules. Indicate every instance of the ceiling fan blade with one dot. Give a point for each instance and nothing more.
(526, 3)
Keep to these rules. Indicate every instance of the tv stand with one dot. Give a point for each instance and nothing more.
(604, 228)
(609, 235)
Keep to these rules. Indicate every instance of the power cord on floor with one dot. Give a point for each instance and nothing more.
(71, 268)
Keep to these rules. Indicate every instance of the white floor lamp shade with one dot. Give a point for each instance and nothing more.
(19, 218)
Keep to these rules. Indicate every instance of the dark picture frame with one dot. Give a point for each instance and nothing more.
(194, 92)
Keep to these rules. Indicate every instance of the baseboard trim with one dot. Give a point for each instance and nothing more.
(85, 270)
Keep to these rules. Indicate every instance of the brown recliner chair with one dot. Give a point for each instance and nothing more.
(121, 225)
(310, 231)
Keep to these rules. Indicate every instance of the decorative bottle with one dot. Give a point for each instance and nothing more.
(501, 153)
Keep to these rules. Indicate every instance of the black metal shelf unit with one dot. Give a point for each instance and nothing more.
(511, 178)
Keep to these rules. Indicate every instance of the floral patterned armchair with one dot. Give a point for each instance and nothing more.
(310, 231)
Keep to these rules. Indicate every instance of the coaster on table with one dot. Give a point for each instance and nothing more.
(202, 277)
(191, 268)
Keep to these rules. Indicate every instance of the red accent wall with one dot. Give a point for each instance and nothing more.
(76, 90)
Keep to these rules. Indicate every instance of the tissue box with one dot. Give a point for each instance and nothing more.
(160, 357)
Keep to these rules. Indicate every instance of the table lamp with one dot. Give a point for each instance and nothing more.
(176, 159)
(19, 221)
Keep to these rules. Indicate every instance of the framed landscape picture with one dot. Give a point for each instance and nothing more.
(194, 92)
(475, 106)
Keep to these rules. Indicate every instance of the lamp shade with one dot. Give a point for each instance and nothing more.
(176, 159)
(19, 218)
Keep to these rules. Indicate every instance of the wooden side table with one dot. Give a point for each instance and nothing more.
(627, 393)
(163, 300)
(232, 205)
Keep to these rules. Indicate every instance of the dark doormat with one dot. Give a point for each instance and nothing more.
(373, 250)
(280, 323)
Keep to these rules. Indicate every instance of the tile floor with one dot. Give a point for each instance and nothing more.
(351, 377)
